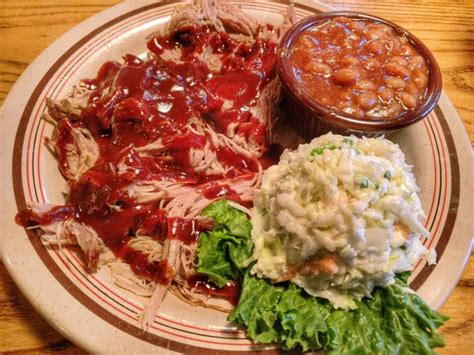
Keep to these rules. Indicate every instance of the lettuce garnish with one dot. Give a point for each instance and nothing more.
(395, 320)
(223, 251)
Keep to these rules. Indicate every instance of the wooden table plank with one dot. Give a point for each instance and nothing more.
(447, 28)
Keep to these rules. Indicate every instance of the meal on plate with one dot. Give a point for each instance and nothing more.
(170, 185)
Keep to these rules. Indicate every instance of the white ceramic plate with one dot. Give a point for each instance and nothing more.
(88, 308)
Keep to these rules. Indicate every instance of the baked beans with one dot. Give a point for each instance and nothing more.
(359, 68)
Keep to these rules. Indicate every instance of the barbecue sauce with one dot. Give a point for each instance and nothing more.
(230, 291)
(27, 218)
(159, 271)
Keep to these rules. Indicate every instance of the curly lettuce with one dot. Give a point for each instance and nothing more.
(223, 251)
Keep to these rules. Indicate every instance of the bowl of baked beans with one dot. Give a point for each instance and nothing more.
(353, 73)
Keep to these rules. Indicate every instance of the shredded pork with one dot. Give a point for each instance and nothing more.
(181, 199)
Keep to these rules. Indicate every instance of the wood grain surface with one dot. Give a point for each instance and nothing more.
(446, 27)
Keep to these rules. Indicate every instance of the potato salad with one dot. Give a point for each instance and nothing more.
(337, 217)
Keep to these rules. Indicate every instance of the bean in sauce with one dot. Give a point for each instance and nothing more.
(359, 68)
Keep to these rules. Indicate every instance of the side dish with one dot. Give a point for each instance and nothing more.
(360, 68)
(337, 217)
(353, 73)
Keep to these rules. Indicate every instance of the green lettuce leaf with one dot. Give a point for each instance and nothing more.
(280, 314)
(228, 218)
(257, 309)
(302, 319)
(394, 321)
(223, 251)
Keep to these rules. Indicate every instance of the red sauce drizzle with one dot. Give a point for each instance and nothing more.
(214, 191)
(27, 218)
(230, 291)
(186, 230)
(158, 271)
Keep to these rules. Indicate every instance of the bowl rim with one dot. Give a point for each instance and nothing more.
(335, 117)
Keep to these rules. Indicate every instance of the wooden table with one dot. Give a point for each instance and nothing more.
(447, 28)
